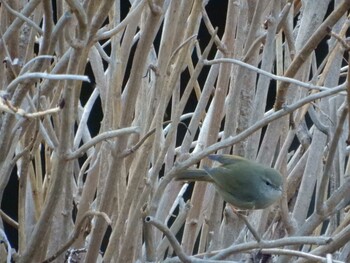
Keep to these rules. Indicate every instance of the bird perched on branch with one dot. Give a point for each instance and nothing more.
(242, 183)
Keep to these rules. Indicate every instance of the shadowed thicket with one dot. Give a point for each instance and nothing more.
(95, 157)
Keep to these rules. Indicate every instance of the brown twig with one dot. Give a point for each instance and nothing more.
(172, 239)
(88, 215)
(8, 219)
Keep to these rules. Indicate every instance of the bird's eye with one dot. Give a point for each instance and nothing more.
(268, 183)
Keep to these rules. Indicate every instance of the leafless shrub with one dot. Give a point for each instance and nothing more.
(73, 186)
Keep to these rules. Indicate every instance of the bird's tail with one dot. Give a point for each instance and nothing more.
(193, 175)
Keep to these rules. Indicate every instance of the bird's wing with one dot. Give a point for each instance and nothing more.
(239, 187)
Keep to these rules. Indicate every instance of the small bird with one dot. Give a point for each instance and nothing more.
(242, 183)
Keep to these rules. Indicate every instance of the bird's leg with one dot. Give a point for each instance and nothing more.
(249, 226)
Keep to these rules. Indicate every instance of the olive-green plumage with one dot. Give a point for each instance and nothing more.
(243, 183)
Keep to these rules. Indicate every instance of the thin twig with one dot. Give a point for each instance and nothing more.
(172, 239)
(302, 84)
(40, 75)
(134, 12)
(263, 122)
(76, 233)
(8, 219)
(21, 16)
(249, 226)
(138, 144)
(302, 240)
(5, 105)
(283, 251)
(99, 138)
(327, 169)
